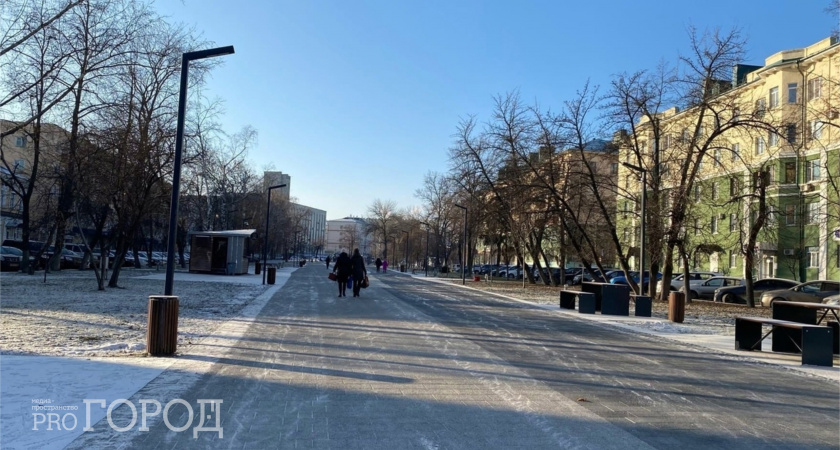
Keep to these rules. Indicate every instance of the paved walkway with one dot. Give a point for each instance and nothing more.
(412, 364)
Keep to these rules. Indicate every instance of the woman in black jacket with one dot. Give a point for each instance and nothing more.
(342, 272)
(359, 271)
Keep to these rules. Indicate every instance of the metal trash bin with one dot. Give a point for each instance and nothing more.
(257, 267)
(272, 274)
(676, 306)
(231, 268)
(162, 329)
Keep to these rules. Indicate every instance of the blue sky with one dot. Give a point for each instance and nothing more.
(358, 100)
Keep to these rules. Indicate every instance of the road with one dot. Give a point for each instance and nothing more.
(416, 364)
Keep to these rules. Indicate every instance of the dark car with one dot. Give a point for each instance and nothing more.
(10, 259)
(738, 294)
(621, 279)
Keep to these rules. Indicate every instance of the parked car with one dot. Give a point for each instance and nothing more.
(678, 281)
(810, 291)
(10, 259)
(622, 279)
(706, 288)
(585, 276)
(738, 294)
(832, 300)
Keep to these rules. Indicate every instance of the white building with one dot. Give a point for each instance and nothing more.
(343, 235)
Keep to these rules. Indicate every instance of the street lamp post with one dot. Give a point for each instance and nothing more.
(265, 238)
(644, 213)
(426, 258)
(464, 248)
(405, 253)
(179, 144)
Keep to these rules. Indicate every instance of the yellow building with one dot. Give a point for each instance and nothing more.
(777, 123)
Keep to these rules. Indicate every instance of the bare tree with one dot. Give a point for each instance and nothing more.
(382, 215)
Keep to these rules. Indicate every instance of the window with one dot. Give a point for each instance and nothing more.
(733, 222)
(714, 191)
(736, 113)
(812, 170)
(790, 172)
(813, 257)
(774, 97)
(790, 133)
(626, 210)
(813, 213)
(613, 168)
(666, 142)
(593, 166)
(792, 92)
(790, 215)
(733, 187)
(736, 151)
(771, 175)
(685, 137)
(717, 157)
(733, 259)
(20, 141)
(19, 165)
(759, 145)
(696, 226)
(815, 128)
(696, 192)
(760, 107)
(773, 139)
(714, 224)
(772, 215)
(814, 88)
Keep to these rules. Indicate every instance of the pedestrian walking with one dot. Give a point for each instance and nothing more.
(328, 263)
(378, 264)
(359, 271)
(384, 265)
(342, 270)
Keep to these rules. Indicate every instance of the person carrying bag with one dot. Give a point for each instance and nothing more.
(359, 271)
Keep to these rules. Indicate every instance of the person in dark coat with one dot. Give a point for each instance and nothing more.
(359, 271)
(328, 262)
(378, 264)
(342, 271)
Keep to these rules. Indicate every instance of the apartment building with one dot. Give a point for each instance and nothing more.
(773, 136)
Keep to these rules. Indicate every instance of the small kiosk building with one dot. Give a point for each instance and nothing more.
(221, 252)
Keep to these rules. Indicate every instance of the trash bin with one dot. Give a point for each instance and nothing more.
(676, 306)
(402, 267)
(272, 274)
(162, 329)
(302, 262)
(231, 268)
(257, 268)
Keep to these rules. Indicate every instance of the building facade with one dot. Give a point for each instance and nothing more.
(787, 158)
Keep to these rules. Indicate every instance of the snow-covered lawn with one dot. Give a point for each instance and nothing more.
(67, 315)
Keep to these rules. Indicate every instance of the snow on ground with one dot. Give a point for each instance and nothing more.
(67, 315)
(63, 342)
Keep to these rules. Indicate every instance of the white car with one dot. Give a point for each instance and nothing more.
(677, 282)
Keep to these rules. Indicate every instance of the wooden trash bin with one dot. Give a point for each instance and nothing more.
(162, 330)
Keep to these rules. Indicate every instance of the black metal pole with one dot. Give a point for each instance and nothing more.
(464, 248)
(176, 169)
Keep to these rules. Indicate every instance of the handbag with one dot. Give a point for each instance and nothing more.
(332, 276)
(365, 282)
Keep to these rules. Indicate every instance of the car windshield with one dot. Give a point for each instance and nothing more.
(12, 251)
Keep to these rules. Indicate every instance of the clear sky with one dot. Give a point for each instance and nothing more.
(359, 99)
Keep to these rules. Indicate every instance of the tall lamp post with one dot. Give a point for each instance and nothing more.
(265, 238)
(464, 248)
(644, 213)
(426, 258)
(405, 253)
(179, 144)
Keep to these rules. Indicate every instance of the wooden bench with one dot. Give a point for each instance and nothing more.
(585, 300)
(814, 342)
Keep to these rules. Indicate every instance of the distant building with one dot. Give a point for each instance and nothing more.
(275, 179)
(346, 234)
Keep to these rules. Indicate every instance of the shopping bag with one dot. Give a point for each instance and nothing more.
(332, 276)
(350, 282)
(365, 282)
